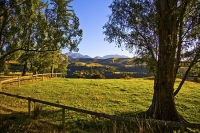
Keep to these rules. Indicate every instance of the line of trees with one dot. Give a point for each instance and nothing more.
(34, 32)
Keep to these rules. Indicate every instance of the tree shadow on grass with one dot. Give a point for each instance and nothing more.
(45, 121)
(19, 122)
(143, 126)
(134, 122)
(137, 114)
(51, 121)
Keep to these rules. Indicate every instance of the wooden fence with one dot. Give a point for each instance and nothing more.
(113, 118)
(32, 78)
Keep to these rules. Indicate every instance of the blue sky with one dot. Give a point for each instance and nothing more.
(93, 14)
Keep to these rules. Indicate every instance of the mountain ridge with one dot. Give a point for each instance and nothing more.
(78, 55)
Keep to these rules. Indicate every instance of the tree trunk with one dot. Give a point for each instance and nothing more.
(24, 69)
(163, 105)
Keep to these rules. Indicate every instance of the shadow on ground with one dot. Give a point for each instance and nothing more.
(19, 122)
(46, 121)
(50, 121)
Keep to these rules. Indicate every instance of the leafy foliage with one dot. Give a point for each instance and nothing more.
(132, 26)
(97, 76)
(126, 76)
(37, 26)
(80, 76)
(163, 33)
(135, 26)
(6, 69)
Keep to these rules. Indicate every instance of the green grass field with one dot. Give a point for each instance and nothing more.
(110, 96)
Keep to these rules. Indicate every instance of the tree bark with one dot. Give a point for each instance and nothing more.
(163, 105)
(24, 69)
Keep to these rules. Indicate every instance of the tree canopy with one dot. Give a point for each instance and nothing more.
(37, 26)
(163, 33)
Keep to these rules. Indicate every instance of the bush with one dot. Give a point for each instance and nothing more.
(97, 76)
(196, 79)
(126, 76)
(80, 76)
(6, 69)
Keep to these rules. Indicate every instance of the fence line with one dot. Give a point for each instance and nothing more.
(9, 80)
(111, 117)
(32, 77)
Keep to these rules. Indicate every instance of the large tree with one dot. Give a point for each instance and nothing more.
(165, 32)
(37, 26)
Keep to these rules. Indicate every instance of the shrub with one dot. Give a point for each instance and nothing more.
(97, 76)
(80, 76)
(126, 76)
(6, 69)
(196, 79)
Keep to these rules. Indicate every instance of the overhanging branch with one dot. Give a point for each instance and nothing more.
(22, 49)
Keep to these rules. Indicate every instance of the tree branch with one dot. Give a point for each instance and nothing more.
(186, 73)
(22, 49)
(178, 56)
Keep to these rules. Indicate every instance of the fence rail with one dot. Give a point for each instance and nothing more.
(9, 80)
(32, 78)
(103, 115)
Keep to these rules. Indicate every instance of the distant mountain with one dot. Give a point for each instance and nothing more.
(98, 57)
(111, 56)
(114, 56)
(76, 55)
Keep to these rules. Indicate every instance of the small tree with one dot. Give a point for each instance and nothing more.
(6, 68)
(62, 65)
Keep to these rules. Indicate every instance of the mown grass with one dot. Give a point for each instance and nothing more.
(110, 96)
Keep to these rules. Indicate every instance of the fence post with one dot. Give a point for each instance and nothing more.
(50, 75)
(182, 129)
(56, 75)
(18, 82)
(29, 107)
(63, 118)
(42, 77)
(114, 126)
(32, 78)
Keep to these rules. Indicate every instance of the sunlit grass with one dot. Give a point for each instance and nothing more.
(111, 96)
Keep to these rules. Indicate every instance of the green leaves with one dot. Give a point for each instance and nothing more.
(131, 25)
(134, 25)
(36, 25)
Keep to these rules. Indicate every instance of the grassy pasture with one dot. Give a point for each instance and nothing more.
(111, 96)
